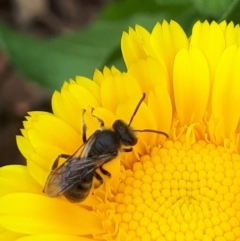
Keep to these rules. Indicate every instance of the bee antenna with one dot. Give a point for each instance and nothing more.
(136, 109)
(154, 131)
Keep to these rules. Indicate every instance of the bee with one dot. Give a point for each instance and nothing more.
(74, 178)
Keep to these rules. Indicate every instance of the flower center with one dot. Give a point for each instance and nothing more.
(179, 193)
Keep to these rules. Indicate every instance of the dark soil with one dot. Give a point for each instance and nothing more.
(18, 95)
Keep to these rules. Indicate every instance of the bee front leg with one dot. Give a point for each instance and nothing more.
(55, 164)
(84, 128)
(99, 178)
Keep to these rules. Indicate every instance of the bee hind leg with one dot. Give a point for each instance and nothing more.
(55, 164)
(127, 149)
(99, 178)
(84, 128)
(104, 171)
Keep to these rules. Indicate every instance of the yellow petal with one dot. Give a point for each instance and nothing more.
(77, 90)
(53, 237)
(31, 118)
(191, 85)
(16, 178)
(45, 155)
(48, 152)
(97, 77)
(131, 44)
(117, 89)
(166, 40)
(210, 39)
(65, 109)
(90, 85)
(231, 34)
(38, 214)
(150, 73)
(51, 130)
(113, 71)
(7, 235)
(68, 106)
(24, 145)
(216, 130)
(36, 169)
(160, 104)
(226, 90)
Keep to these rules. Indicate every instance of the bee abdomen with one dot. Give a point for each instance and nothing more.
(79, 192)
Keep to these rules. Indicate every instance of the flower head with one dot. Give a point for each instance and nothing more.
(185, 187)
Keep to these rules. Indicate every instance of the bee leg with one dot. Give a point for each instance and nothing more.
(127, 149)
(99, 120)
(55, 164)
(104, 171)
(84, 128)
(99, 178)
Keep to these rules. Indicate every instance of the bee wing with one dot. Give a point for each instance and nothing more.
(66, 175)
(71, 172)
(83, 151)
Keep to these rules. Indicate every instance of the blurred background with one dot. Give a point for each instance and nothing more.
(46, 42)
(43, 19)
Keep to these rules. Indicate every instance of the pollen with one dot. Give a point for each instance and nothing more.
(180, 194)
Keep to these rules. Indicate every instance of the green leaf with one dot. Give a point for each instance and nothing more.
(213, 9)
(232, 12)
(127, 8)
(50, 62)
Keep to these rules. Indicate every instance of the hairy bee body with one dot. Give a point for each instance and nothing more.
(105, 141)
(74, 178)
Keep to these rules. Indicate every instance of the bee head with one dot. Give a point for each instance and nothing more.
(126, 134)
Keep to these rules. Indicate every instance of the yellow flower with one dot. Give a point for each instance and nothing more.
(186, 187)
